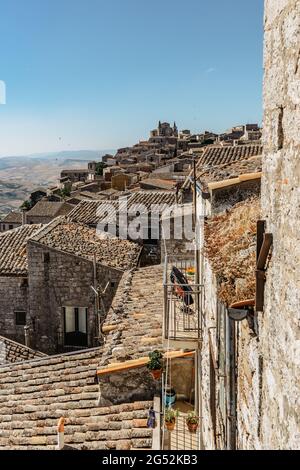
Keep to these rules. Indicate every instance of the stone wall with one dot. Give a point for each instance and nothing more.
(128, 386)
(58, 280)
(225, 198)
(280, 333)
(14, 297)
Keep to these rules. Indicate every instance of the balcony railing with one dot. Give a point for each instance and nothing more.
(182, 302)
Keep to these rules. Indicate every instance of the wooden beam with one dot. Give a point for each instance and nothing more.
(260, 288)
(260, 230)
(141, 362)
(264, 251)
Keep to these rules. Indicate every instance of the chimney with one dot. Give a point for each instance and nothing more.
(61, 434)
(26, 334)
(24, 217)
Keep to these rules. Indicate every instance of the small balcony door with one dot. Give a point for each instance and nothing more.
(75, 322)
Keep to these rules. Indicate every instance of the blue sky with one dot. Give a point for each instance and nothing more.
(96, 74)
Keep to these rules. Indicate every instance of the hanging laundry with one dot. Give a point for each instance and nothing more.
(182, 287)
(151, 422)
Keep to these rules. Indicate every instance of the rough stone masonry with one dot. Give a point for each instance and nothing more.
(280, 323)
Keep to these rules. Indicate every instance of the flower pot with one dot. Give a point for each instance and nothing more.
(156, 374)
(170, 425)
(192, 427)
(170, 397)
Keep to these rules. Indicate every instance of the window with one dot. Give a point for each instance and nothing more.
(75, 322)
(20, 318)
(10, 227)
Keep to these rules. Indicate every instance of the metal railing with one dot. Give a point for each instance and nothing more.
(181, 438)
(182, 303)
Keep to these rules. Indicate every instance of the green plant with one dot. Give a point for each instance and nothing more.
(192, 418)
(27, 205)
(155, 360)
(63, 193)
(171, 415)
(99, 168)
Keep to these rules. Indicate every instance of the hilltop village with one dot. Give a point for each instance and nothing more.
(155, 341)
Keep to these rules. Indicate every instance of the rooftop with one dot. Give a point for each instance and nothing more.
(230, 246)
(150, 198)
(13, 254)
(14, 217)
(159, 183)
(11, 352)
(35, 394)
(224, 155)
(229, 170)
(50, 209)
(134, 322)
(92, 212)
(80, 240)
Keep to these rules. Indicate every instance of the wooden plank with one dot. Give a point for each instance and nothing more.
(243, 303)
(260, 288)
(264, 251)
(141, 362)
(260, 230)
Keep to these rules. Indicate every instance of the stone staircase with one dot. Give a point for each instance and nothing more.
(35, 394)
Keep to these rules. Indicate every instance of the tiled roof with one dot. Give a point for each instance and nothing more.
(50, 209)
(14, 217)
(149, 198)
(220, 155)
(229, 170)
(80, 240)
(11, 352)
(159, 183)
(136, 316)
(92, 212)
(35, 394)
(13, 255)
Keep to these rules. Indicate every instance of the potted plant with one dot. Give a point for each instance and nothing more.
(192, 422)
(170, 418)
(155, 364)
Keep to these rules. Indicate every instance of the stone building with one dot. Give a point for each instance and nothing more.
(249, 265)
(45, 211)
(279, 418)
(48, 277)
(12, 220)
(75, 175)
(14, 304)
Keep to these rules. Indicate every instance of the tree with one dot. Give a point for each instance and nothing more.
(27, 205)
(99, 168)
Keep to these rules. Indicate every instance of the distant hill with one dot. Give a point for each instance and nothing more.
(19, 175)
(33, 159)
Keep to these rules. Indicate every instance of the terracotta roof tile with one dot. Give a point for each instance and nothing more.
(13, 255)
(11, 352)
(135, 315)
(80, 240)
(221, 155)
(14, 217)
(50, 209)
(229, 170)
(35, 394)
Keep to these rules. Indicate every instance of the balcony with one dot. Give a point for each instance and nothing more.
(182, 304)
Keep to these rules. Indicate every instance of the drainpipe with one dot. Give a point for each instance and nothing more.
(61, 434)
